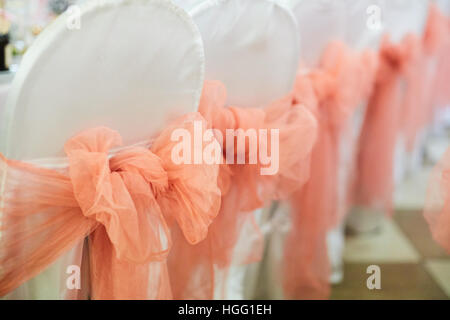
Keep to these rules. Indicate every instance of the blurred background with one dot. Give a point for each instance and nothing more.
(412, 264)
(23, 20)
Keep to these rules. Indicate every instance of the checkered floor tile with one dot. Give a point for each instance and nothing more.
(412, 265)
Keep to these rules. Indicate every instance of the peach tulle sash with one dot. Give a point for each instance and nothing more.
(384, 121)
(437, 204)
(412, 80)
(244, 190)
(437, 45)
(422, 92)
(341, 84)
(126, 203)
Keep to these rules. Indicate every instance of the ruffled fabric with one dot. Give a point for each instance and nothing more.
(437, 204)
(412, 80)
(343, 81)
(422, 93)
(384, 122)
(126, 204)
(437, 46)
(245, 189)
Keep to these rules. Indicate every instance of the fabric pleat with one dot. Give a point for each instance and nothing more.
(333, 91)
(437, 201)
(126, 203)
(244, 189)
(383, 124)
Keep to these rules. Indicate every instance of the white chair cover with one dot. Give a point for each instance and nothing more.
(319, 22)
(398, 18)
(252, 47)
(130, 66)
(405, 17)
(364, 30)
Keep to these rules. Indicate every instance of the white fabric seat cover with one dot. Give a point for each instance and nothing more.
(252, 47)
(131, 66)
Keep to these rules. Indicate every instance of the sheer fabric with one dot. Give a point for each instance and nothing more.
(333, 91)
(437, 45)
(383, 124)
(412, 79)
(244, 189)
(422, 70)
(126, 204)
(437, 204)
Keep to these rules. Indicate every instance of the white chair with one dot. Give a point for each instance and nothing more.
(363, 30)
(318, 22)
(403, 17)
(252, 47)
(130, 66)
(364, 23)
(398, 19)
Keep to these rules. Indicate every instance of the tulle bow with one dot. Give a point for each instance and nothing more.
(227, 243)
(342, 83)
(399, 57)
(126, 202)
(296, 126)
(394, 106)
